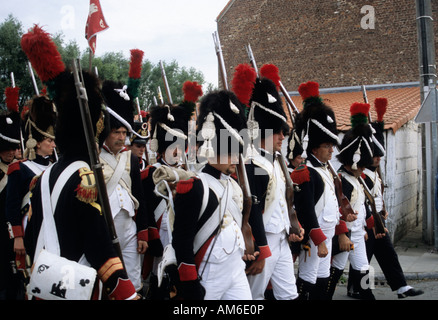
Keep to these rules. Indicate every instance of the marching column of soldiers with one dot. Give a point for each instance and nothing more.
(178, 225)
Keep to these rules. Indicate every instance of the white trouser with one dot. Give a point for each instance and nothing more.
(279, 269)
(311, 266)
(223, 276)
(358, 256)
(127, 234)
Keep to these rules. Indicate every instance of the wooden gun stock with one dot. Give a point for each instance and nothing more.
(247, 204)
(294, 223)
(343, 202)
(378, 222)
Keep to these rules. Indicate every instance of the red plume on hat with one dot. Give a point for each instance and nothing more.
(135, 72)
(42, 54)
(308, 90)
(359, 113)
(192, 91)
(136, 63)
(243, 82)
(12, 98)
(380, 105)
(271, 72)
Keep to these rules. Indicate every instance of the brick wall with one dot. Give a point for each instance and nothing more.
(323, 41)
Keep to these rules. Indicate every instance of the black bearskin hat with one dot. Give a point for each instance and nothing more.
(357, 145)
(221, 115)
(9, 131)
(169, 125)
(120, 104)
(316, 124)
(39, 123)
(70, 136)
(294, 147)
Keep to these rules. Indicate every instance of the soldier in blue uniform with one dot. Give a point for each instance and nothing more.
(207, 238)
(9, 143)
(315, 198)
(39, 138)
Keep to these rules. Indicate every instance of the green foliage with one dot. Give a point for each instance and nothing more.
(109, 66)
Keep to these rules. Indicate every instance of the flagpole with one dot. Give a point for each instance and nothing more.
(90, 60)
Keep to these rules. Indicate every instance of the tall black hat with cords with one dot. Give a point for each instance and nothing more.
(357, 147)
(39, 123)
(266, 113)
(221, 121)
(10, 134)
(316, 124)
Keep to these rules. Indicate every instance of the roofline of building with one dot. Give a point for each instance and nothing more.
(224, 10)
(368, 88)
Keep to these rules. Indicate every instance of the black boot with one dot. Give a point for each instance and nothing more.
(320, 291)
(361, 283)
(335, 275)
(305, 289)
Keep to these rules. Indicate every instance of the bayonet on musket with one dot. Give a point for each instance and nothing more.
(166, 84)
(242, 176)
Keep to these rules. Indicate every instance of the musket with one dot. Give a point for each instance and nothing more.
(32, 76)
(378, 222)
(242, 176)
(379, 171)
(343, 202)
(295, 227)
(166, 84)
(160, 96)
(96, 166)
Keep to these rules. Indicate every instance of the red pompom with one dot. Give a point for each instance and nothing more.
(192, 91)
(243, 82)
(144, 114)
(271, 72)
(42, 53)
(309, 89)
(357, 108)
(136, 63)
(380, 105)
(12, 98)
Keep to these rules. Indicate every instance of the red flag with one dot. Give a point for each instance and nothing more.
(95, 23)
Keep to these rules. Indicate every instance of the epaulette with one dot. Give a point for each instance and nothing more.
(145, 173)
(185, 186)
(300, 174)
(33, 182)
(87, 190)
(14, 166)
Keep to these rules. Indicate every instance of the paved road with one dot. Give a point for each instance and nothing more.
(383, 291)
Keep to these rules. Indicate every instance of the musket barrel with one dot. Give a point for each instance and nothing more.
(166, 84)
(96, 166)
(32, 76)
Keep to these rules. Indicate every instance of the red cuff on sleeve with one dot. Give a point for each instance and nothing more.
(16, 231)
(123, 290)
(143, 235)
(341, 227)
(187, 272)
(317, 236)
(153, 233)
(265, 252)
